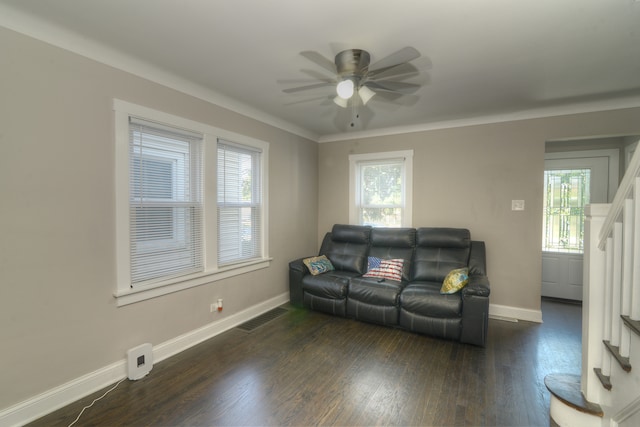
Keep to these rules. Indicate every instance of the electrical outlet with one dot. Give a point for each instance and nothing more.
(213, 307)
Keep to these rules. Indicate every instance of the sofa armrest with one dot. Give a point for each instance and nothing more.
(478, 286)
(297, 271)
(298, 265)
(475, 310)
(478, 258)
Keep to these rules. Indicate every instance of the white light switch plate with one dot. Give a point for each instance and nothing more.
(517, 205)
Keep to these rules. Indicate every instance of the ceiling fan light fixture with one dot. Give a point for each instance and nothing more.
(365, 94)
(344, 103)
(345, 89)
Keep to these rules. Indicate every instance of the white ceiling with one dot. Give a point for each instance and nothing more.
(482, 60)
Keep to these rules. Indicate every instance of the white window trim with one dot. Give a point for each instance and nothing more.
(124, 293)
(407, 195)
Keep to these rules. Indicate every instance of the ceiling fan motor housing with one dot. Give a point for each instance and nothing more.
(352, 62)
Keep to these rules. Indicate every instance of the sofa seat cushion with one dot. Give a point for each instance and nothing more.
(330, 285)
(335, 306)
(425, 299)
(447, 328)
(372, 313)
(375, 291)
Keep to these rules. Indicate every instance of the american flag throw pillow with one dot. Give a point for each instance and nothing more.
(390, 269)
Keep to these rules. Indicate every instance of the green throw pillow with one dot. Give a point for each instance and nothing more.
(318, 264)
(455, 280)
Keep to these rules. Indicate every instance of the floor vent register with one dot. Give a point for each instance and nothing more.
(263, 319)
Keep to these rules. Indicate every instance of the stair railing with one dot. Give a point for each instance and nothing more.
(611, 299)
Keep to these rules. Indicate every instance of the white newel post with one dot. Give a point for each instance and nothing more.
(592, 299)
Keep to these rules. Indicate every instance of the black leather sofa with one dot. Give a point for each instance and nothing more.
(413, 303)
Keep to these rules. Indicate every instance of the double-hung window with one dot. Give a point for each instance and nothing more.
(191, 206)
(165, 201)
(239, 203)
(380, 189)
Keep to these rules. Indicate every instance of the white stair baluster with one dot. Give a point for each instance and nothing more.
(627, 271)
(616, 284)
(606, 320)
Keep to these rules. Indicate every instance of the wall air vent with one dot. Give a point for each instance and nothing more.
(262, 319)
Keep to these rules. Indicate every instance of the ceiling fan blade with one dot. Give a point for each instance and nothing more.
(404, 70)
(303, 81)
(308, 87)
(393, 86)
(405, 54)
(316, 58)
(306, 100)
(319, 76)
(395, 98)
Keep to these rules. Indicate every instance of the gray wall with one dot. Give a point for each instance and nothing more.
(467, 177)
(58, 316)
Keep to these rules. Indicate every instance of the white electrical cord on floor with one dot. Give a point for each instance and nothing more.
(95, 400)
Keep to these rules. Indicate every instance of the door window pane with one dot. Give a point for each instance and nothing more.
(566, 192)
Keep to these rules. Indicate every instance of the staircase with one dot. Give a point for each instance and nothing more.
(607, 393)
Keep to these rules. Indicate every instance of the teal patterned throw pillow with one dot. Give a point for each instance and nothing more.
(318, 264)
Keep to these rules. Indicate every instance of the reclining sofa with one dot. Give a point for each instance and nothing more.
(415, 302)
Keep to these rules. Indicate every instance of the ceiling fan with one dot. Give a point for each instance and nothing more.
(356, 81)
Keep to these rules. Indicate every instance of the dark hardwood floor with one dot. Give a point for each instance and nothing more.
(306, 369)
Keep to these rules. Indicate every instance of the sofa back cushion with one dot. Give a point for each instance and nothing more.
(438, 251)
(394, 243)
(347, 247)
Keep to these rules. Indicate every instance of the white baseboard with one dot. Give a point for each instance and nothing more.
(58, 397)
(507, 312)
(176, 345)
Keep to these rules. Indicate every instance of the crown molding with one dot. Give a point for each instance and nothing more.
(68, 40)
(538, 113)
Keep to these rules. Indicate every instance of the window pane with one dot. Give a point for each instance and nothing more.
(165, 204)
(382, 217)
(566, 192)
(239, 204)
(381, 192)
(382, 184)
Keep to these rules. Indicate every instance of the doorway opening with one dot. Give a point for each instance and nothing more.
(573, 178)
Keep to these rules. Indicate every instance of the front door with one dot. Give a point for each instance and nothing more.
(569, 185)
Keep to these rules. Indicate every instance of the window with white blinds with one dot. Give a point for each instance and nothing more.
(240, 206)
(165, 202)
(380, 189)
(173, 231)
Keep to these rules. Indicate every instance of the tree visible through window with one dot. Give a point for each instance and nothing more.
(380, 188)
(381, 193)
(566, 192)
